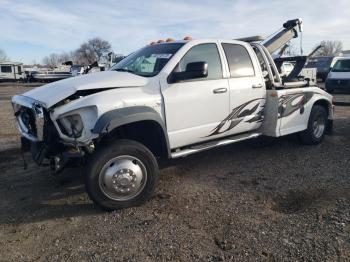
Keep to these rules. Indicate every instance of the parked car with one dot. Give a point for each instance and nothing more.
(322, 64)
(339, 77)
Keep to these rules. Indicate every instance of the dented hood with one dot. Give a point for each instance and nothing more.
(55, 92)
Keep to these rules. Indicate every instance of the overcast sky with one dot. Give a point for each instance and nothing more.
(31, 29)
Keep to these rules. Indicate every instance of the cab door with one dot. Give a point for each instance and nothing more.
(195, 107)
(247, 88)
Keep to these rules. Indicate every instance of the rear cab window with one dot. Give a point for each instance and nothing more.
(239, 60)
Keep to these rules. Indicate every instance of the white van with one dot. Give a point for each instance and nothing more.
(11, 71)
(339, 76)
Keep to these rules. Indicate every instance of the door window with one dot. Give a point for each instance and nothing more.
(207, 53)
(238, 60)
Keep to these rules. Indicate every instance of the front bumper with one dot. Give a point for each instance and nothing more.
(40, 136)
(57, 158)
(337, 84)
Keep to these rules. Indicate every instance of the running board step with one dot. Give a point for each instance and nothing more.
(209, 145)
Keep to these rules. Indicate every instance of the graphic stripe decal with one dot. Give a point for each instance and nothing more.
(288, 104)
(237, 116)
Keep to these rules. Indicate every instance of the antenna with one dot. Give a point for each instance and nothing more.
(301, 43)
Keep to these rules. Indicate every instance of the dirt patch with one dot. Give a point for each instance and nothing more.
(301, 201)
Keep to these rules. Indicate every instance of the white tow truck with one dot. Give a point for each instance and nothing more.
(168, 100)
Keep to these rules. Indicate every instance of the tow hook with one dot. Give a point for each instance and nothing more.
(60, 161)
(90, 148)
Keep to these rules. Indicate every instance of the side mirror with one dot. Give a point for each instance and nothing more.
(193, 70)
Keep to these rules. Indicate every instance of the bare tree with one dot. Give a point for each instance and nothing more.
(3, 56)
(55, 59)
(93, 50)
(330, 48)
(51, 60)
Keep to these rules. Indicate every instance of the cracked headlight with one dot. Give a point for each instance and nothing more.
(71, 125)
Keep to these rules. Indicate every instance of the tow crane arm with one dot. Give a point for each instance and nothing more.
(284, 35)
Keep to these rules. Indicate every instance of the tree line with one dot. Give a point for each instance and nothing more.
(95, 49)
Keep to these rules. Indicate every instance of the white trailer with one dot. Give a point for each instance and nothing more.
(11, 71)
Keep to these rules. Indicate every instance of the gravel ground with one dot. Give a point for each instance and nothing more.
(246, 202)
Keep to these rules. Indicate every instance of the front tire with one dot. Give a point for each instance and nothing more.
(121, 175)
(316, 127)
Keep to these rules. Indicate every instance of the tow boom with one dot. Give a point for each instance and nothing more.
(284, 35)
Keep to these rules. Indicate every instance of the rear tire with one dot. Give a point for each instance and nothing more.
(121, 175)
(316, 127)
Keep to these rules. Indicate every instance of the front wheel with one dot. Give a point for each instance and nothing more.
(316, 127)
(121, 175)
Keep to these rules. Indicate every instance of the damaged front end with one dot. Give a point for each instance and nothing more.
(41, 137)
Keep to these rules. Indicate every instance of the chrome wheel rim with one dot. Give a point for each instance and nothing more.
(318, 126)
(122, 178)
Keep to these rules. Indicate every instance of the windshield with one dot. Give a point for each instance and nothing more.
(321, 62)
(148, 61)
(342, 66)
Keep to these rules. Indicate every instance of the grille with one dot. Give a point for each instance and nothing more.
(339, 83)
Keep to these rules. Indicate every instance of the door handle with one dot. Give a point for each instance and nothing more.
(257, 86)
(220, 90)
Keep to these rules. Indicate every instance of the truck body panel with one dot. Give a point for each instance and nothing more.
(287, 111)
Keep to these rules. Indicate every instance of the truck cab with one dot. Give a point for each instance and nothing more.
(166, 100)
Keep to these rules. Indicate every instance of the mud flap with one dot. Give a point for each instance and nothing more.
(25, 144)
(329, 127)
(38, 150)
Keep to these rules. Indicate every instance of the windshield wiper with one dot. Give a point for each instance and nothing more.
(124, 70)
